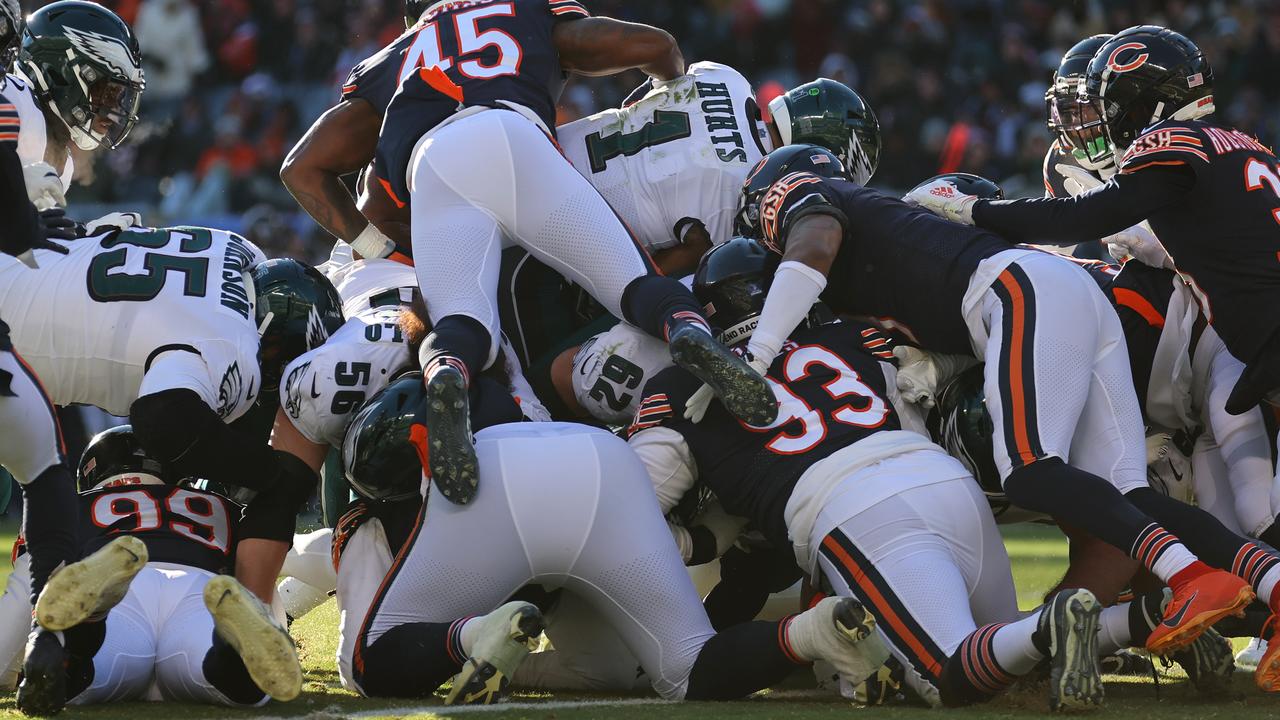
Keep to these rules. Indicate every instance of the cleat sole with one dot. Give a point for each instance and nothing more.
(85, 588)
(455, 470)
(265, 648)
(743, 392)
(1075, 678)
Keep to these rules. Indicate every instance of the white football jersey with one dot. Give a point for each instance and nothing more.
(610, 370)
(323, 388)
(372, 282)
(33, 135)
(681, 153)
(91, 323)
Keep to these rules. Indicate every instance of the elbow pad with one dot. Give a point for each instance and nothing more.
(177, 428)
(273, 513)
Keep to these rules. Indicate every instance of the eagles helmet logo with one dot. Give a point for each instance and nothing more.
(106, 50)
(317, 333)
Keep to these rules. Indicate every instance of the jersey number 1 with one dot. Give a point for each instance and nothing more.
(666, 126)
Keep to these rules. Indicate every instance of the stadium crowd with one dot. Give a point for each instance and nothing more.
(956, 85)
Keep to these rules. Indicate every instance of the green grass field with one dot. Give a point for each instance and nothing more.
(1039, 556)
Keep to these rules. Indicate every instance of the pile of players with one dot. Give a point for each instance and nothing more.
(848, 390)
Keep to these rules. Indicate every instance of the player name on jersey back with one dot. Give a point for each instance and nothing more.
(680, 153)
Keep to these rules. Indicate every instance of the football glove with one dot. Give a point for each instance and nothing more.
(1077, 180)
(115, 220)
(1140, 243)
(1168, 470)
(44, 186)
(53, 224)
(698, 403)
(943, 198)
(921, 373)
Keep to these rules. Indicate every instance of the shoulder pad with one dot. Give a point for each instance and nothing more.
(787, 200)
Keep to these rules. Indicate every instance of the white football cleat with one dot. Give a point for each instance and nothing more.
(91, 587)
(506, 636)
(263, 645)
(842, 632)
(1251, 655)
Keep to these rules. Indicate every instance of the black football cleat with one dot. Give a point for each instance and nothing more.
(1209, 663)
(745, 394)
(1068, 627)
(43, 690)
(451, 453)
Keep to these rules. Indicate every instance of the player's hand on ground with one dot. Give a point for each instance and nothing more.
(943, 198)
(44, 186)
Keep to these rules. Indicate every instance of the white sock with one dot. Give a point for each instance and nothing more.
(1113, 629)
(1161, 552)
(1013, 648)
(1267, 585)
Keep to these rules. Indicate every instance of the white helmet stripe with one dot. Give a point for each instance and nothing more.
(781, 117)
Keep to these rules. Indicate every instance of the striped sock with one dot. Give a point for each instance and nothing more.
(460, 641)
(684, 317)
(980, 656)
(1259, 568)
(1161, 553)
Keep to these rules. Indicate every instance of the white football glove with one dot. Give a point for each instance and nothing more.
(1077, 180)
(1140, 243)
(119, 220)
(921, 373)
(942, 197)
(44, 186)
(698, 403)
(372, 243)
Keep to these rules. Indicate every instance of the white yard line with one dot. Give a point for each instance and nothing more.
(448, 710)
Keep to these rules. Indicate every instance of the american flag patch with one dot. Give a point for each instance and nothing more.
(1196, 80)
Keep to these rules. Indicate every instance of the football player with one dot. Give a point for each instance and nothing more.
(545, 498)
(1030, 315)
(1150, 90)
(163, 622)
(602, 376)
(472, 135)
(342, 141)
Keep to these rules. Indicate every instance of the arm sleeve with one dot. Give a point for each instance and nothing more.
(795, 289)
(1243, 440)
(669, 461)
(20, 215)
(1124, 201)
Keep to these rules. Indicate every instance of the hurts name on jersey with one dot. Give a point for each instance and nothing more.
(718, 111)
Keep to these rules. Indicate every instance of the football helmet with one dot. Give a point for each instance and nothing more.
(114, 457)
(1138, 78)
(961, 424)
(296, 309)
(10, 33)
(413, 10)
(969, 184)
(731, 282)
(1063, 108)
(83, 62)
(378, 458)
(828, 113)
(773, 167)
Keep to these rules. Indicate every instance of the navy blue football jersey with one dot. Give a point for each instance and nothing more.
(832, 391)
(469, 53)
(179, 525)
(377, 77)
(899, 265)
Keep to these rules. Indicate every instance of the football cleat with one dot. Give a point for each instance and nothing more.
(44, 675)
(263, 645)
(1267, 674)
(506, 636)
(1195, 607)
(1252, 654)
(451, 458)
(88, 589)
(1126, 662)
(1068, 626)
(840, 631)
(744, 392)
(1208, 663)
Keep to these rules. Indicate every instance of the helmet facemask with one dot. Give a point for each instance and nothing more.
(109, 113)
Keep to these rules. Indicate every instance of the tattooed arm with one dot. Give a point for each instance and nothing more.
(604, 46)
(341, 142)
